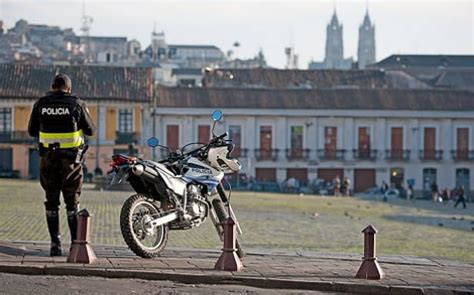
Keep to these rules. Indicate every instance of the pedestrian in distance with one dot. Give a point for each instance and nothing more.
(410, 192)
(384, 187)
(337, 186)
(60, 120)
(434, 192)
(461, 197)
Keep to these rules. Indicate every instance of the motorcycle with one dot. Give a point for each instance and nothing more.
(176, 193)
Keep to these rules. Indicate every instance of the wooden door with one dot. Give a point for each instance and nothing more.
(330, 141)
(396, 142)
(300, 174)
(6, 159)
(429, 145)
(266, 141)
(364, 142)
(330, 174)
(172, 136)
(265, 174)
(204, 133)
(363, 179)
(462, 145)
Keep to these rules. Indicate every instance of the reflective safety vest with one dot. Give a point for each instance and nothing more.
(65, 140)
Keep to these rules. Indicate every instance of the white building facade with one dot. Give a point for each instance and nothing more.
(420, 145)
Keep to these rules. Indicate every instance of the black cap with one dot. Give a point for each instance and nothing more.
(61, 81)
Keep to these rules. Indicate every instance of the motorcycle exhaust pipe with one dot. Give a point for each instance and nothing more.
(143, 171)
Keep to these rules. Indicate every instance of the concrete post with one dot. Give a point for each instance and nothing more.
(370, 268)
(229, 261)
(81, 251)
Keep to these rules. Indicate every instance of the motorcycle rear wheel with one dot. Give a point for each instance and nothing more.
(136, 213)
(222, 215)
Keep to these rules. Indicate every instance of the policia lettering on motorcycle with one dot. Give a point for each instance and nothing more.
(61, 120)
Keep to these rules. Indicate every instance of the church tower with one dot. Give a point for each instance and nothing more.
(366, 48)
(334, 47)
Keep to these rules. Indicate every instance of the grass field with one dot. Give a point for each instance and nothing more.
(270, 221)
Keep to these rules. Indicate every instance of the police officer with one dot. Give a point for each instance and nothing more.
(61, 120)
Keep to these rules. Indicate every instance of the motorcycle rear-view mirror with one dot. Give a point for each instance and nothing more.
(217, 115)
(153, 142)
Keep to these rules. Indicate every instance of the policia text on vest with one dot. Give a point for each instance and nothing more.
(61, 120)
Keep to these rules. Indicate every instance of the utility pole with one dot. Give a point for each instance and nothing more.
(97, 139)
(86, 27)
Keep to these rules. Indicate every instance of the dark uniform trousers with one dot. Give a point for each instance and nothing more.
(60, 174)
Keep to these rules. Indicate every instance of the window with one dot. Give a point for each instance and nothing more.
(364, 142)
(396, 142)
(235, 134)
(296, 141)
(125, 120)
(429, 144)
(330, 141)
(462, 144)
(266, 141)
(5, 120)
(172, 136)
(204, 133)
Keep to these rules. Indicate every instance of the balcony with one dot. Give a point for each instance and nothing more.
(397, 155)
(297, 154)
(462, 155)
(126, 137)
(266, 154)
(239, 153)
(431, 155)
(370, 155)
(336, 155)
(17, 137)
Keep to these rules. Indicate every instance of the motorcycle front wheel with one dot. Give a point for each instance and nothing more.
(144, 240)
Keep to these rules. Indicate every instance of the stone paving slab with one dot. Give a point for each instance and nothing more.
(285, 270)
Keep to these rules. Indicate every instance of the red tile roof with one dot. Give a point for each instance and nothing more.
(305, 79)
(91, 82)
(330, 99)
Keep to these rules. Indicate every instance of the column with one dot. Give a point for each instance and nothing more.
(348, 139)
(281, 138)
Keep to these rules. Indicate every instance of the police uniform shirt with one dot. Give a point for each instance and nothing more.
(60, 118)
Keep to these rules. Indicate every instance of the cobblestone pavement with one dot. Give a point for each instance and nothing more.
(269, 221)
(279, 270)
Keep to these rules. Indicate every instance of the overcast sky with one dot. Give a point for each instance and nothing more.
(404, 26)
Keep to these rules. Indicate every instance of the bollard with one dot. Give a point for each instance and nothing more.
(370, 268)
(229, 261)
(81, 250)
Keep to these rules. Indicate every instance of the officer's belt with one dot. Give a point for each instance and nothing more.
(65, 140)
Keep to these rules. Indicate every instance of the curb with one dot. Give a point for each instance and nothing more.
(228, 279)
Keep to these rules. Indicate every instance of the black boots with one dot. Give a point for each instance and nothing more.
(52, 218)
(72, 222)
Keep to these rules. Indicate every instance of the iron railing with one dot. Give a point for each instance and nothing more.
(126, 137)
(397, 155)
(17, 137)
(434, 155)
(266, 154)
(297, 154)
(365, 154)
(462, 155)
(326, 154)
